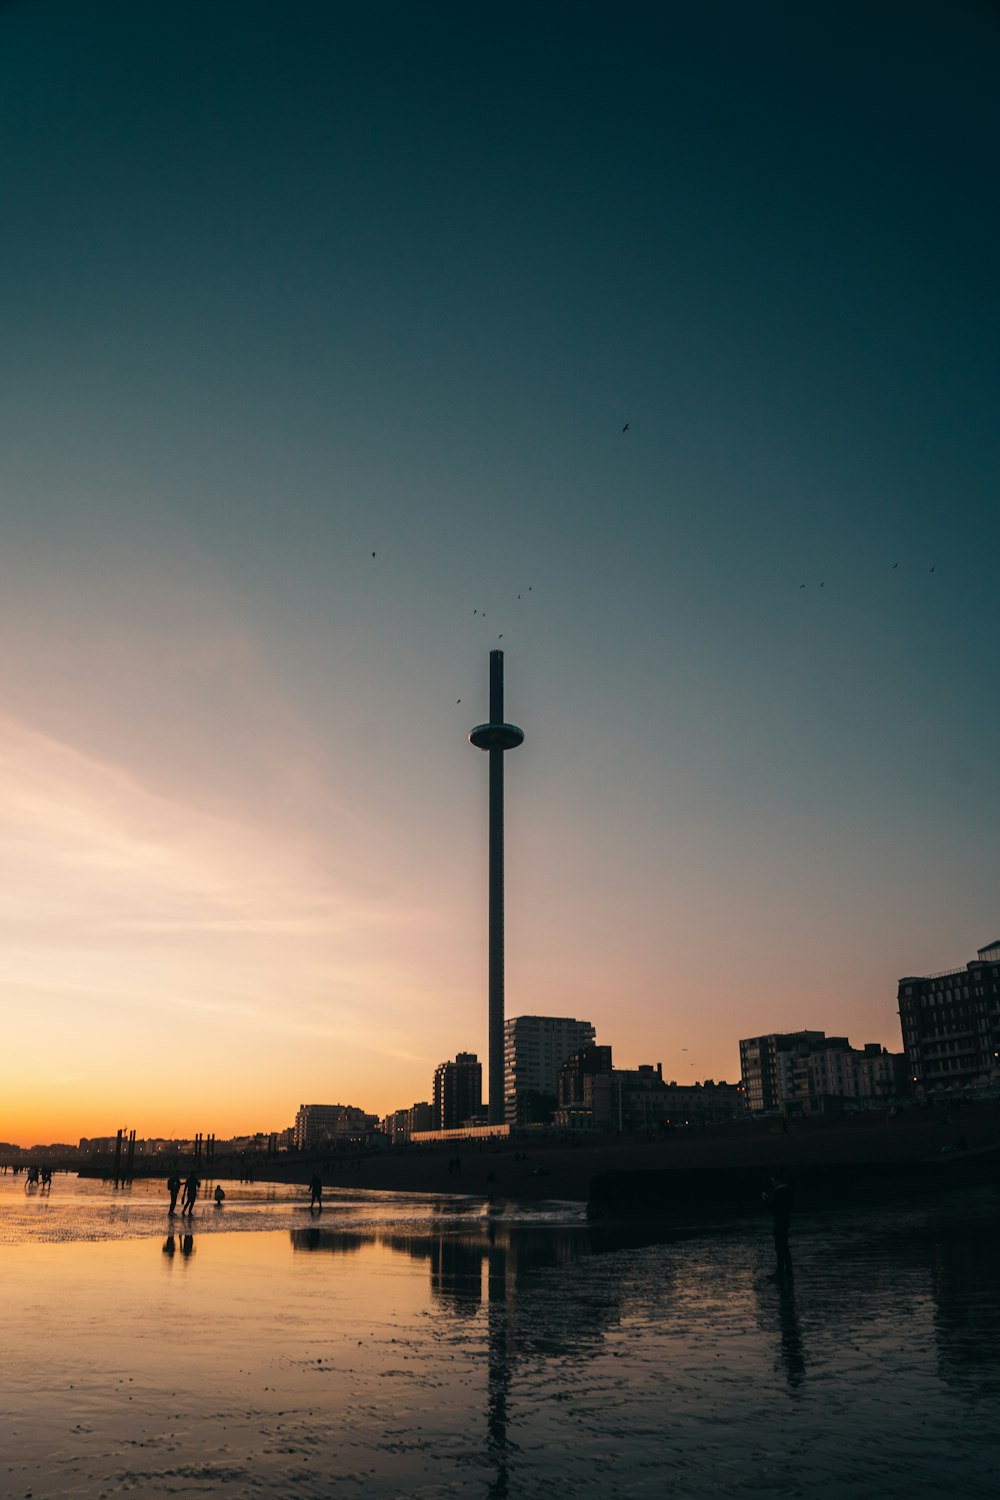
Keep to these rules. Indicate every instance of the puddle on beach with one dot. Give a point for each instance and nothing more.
(425, 1349)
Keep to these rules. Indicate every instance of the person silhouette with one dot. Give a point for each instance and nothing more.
(191, 1186)
(316, 1193)
(779, 1200)
(173, 1188)
(219, 1195)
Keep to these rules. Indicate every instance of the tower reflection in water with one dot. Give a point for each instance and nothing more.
(487, 1263)
(858, 1277)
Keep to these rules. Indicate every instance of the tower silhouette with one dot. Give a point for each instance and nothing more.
(496, 737)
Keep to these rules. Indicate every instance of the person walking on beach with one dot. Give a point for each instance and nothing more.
(190, 1198)
(173, 1188)
(779, 1200)
(316, 1193)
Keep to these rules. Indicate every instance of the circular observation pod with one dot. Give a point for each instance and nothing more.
(496, 737)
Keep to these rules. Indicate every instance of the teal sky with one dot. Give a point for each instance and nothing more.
(283, 285)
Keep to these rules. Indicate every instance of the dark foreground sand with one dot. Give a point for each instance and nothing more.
(557, 1170)
(397, 1351)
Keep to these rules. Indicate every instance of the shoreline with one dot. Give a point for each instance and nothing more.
(905, 1152)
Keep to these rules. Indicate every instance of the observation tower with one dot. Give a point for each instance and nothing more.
(496, 737)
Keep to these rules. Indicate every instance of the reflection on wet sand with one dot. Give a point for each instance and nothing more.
(856, 1271)
(479, 1355)
(184, 1243)
(777, 1311)
(457, 1260)
(964, 1278)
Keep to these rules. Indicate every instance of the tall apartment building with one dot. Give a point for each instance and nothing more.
(951, 1025)
(324, 1124)
(458, 1091)
(808, 1070)
(535, 1048)
(759, 1066)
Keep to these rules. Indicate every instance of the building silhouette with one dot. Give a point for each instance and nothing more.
(401, 1123)
(951, 1025)
(589, 1062)
(458, 1091)
(535, 1049)
(324, 1124)
(808, 1072)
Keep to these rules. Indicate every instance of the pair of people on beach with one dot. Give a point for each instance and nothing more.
(192, 1186)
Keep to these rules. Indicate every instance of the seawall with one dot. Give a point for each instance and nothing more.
(694, 1194)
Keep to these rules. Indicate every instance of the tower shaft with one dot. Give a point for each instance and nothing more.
(496, 960)
(497, 737)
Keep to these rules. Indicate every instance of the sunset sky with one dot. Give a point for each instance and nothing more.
(286, 285)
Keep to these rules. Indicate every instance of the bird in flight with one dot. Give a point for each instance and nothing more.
(373, 554)
(458, 700)
(625, 428)
(932, 570)
(475, 611)
(500, 636)
(801, 585)
(895, 565)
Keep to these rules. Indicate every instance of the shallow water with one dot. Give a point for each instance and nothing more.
(91, 1209)
(427, 1349)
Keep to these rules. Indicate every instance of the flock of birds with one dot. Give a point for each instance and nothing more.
(482, 613)
(823, 585)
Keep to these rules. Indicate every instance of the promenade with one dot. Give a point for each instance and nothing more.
(564, 1170)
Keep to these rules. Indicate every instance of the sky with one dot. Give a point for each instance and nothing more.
(283, 287)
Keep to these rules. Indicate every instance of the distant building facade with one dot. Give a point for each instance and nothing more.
(535, 1049)
(640, 1098)
(808, 1072)
(573, 1075)
(707, 1103)
(458, 1091)
(762, 1084)
(584, 1090)
(331, 1124)
(593, 1095)
(400, 1125)
(951, 1025)
(397, 1126)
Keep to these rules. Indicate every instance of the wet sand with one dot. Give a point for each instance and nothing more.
(396, 1349)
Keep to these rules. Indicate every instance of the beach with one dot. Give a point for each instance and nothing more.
(402, 1347)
